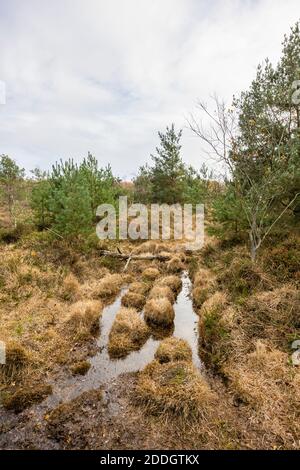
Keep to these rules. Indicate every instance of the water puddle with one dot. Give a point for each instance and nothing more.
(104, 370)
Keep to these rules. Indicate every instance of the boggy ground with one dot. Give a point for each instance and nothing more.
(52, 297)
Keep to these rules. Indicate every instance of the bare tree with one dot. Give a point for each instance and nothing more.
(256, 195)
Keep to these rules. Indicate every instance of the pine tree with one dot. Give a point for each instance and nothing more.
(168, 172)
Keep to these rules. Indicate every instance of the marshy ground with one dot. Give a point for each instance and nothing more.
(191, 353)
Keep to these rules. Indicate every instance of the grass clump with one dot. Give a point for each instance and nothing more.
(150, 274)
(266, 382)
(243, 277)
(110, 285)
(174, 265)
(213, 330)
(129, 332)
(158, 292)
(83, 321)
(132, 299)
(70, 288)
(174, 282)
(273, 315)
(173, 389)
(159, 312)
(16, 359)
(139, 287)
(283, 261)
(173, 349)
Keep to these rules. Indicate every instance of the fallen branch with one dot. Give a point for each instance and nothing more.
(130, 256)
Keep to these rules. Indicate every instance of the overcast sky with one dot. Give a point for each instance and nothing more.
(105, 76)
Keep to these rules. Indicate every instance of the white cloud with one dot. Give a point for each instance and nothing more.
(99, 76)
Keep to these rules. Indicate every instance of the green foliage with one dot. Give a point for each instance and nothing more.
(168, 180)
(168, 171)
(11, 177)
(66, 200)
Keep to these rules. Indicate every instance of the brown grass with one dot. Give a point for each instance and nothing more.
(131, 299)
(203, 278)
(213, 330)
(273, 315)
(150, 274)
(17, 358)
(243, 278)
(146, 247)
(110, 285)
(173, 349)
(83, 319)
(129, 332)
(174, 265)
(265, 380)
(174, 388)
(139, 287)
(70, 288)
(174, 282)
(158, 292)
(159, 312)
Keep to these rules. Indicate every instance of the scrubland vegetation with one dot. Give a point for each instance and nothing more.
(55, 284)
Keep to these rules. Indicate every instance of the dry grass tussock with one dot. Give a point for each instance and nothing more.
(214, 328)
(132, 299)
(174, 265)
(273, 314)
(150, 274)
(174, 389)
(243, 277)
(17, 358)
(129, 332)
(159, 312)
(204, 285)
(174, 282)
(173, 349)
(266, 381)
(139, 287)
(70, 288)
(83, 320)
(46, 314)
(158, 292)
(110, 285)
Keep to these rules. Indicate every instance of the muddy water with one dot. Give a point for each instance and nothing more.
(104, 370)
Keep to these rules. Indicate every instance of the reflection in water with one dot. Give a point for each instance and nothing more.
(186, 320)
(103, 369)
